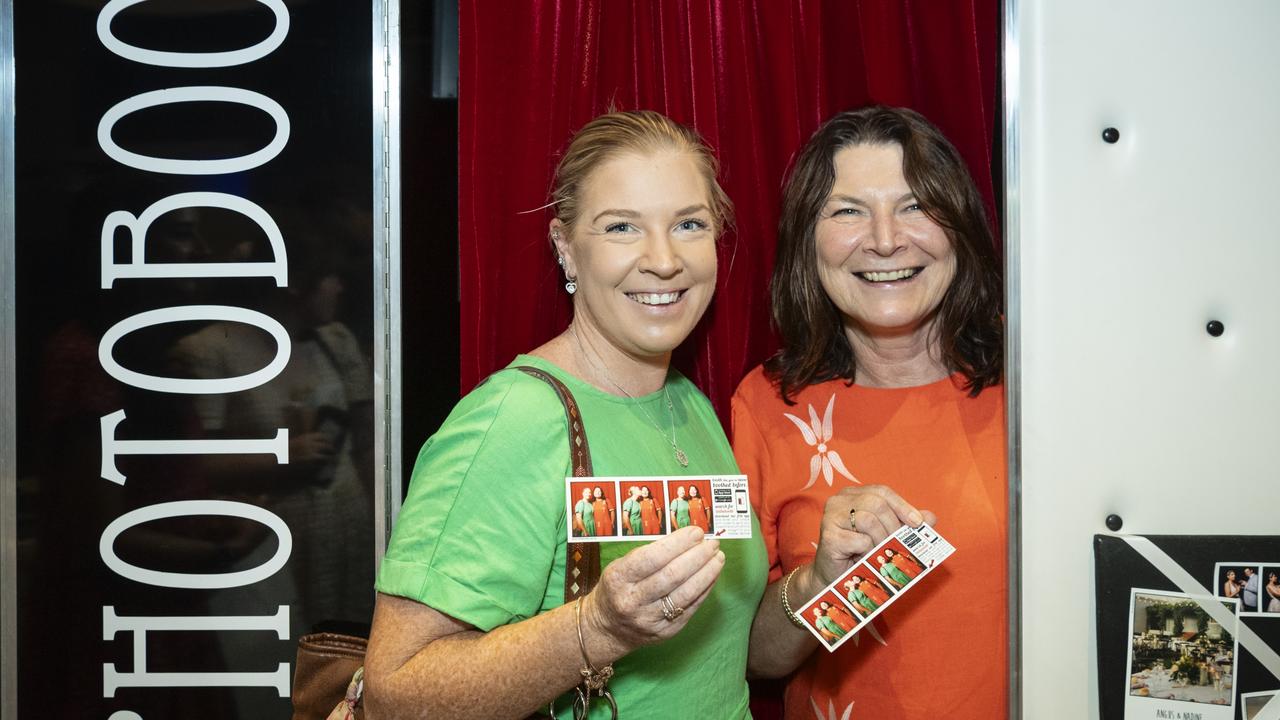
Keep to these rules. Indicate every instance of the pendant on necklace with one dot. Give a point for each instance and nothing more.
(682, 458)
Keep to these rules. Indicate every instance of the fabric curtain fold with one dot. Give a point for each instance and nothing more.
(754, 77)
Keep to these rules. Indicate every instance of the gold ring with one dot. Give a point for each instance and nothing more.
(669, 609)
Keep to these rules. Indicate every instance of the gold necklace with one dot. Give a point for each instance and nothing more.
(681, 457)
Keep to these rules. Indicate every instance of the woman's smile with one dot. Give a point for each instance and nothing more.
(657, 299)
(886, 277)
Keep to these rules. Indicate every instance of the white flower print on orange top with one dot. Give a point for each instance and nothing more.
(817, 433)
(831, 710)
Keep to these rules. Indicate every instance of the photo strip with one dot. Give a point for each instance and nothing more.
(609, 509)
(1252, 703)
(829, 617)
(1180, 659)
(1255, 584)
(878, 579)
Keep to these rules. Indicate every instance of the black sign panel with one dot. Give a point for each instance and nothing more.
(194, 317)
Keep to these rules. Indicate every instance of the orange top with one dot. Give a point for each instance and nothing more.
(873, 591)
(603, 512)
(698, 513)
(842, 618)
(941, 451)
(909, 568)
(649, 517)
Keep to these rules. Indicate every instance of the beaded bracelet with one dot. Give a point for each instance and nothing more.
(786, 604)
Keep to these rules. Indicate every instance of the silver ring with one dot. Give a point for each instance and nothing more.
(669, 609)
(853, 519)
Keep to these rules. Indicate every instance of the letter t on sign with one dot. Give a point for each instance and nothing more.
(113, 679)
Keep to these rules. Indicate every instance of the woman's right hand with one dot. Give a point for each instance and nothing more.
(626, 605)
(857, 519)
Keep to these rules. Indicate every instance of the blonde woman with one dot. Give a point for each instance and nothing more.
(469, 620)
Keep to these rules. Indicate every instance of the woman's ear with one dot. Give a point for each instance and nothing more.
(560, 244)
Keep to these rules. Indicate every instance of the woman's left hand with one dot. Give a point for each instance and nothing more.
(857, 519)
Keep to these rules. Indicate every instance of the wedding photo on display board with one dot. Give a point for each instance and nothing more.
(1185, 630)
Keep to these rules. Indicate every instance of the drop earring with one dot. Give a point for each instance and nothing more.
(571, 286)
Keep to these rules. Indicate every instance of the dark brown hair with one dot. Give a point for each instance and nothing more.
(970, 325)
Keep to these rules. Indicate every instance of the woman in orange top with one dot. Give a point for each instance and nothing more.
(650, 513)
(871, 589)
(698, 509)
(887, 296)
(903, 563)
(837, 613)
(603, 513)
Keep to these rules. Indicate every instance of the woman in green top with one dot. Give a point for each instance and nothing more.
(859, 598)
(826, 625)
(892, 573)
(470, 621)
(631, 524)
(680, 509)
(584, 516)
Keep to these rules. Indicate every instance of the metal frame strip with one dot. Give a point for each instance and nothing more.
(1011, 79)
(394, 430)
(386, 267)
(8, 399)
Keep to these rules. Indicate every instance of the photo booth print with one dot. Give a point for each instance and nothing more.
(1171, 640)
(609, 509)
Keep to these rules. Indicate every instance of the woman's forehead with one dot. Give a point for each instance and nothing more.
(659, 181)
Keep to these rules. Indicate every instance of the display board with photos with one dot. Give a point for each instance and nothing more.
(1196, 639)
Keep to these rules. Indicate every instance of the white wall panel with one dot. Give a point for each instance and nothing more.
(1123, 253)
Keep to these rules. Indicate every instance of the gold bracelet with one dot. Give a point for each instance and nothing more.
(596, 681)
(786, 604)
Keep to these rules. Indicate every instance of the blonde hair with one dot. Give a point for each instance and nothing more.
(638, 131)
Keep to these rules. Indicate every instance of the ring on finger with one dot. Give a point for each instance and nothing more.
(853, 519)
(669, 609)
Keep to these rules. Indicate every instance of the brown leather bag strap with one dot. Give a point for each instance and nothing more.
(582, 560)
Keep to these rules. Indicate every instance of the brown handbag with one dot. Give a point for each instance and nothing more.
(329, 668)
(329, 676)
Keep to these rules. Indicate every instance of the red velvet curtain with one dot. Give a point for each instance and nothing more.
(755, 77)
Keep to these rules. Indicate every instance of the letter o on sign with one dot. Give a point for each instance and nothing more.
(190, 59)
(173, 166)
(194, 386)
(196, 581)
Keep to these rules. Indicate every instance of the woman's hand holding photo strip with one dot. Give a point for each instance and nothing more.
(873, 583)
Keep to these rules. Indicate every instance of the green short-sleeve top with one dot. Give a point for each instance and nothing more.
(481, 535)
